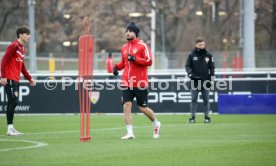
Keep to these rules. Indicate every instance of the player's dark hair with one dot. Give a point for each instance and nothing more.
(199, 40)
(22, 30)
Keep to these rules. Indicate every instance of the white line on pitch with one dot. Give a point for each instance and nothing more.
(36, 145)
(99, 129)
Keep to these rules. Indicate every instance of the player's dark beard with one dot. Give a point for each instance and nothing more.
(130, 38)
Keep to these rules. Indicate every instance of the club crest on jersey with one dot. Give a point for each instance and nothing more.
(94, 96)
(134, 50)
(207, 59)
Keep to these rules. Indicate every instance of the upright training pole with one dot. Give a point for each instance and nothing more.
(85, 77)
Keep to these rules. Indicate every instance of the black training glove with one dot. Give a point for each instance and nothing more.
(115, 71)
(191, 75)
(196, 77)
(131, 58)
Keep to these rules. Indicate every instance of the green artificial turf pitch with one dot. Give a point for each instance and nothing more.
(236, 140)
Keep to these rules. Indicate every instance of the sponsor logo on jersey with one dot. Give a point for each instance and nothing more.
(125, 52)
(19, 60)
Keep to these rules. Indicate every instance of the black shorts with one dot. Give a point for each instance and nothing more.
(12, 90)
(140, 94)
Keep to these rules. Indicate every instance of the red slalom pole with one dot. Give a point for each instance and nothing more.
(86, 56)
(87, 112)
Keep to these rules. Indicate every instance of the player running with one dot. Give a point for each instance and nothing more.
(136, 57)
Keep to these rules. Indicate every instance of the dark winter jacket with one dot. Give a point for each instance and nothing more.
(200, 65)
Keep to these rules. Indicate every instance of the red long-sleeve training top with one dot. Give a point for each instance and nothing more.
(13, 62)
(135, 73)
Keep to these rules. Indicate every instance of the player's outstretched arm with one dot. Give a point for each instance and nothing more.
(32, 82)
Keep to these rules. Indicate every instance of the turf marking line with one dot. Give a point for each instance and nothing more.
(36, 145)
(99, 129)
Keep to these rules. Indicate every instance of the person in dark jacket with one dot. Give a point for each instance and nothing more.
(200, 68)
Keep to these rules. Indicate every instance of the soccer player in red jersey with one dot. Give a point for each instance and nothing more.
(136, 57)
(11, 66)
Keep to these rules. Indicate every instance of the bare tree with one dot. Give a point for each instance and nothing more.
(266, 24)
(61, 20)
(7, 11)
